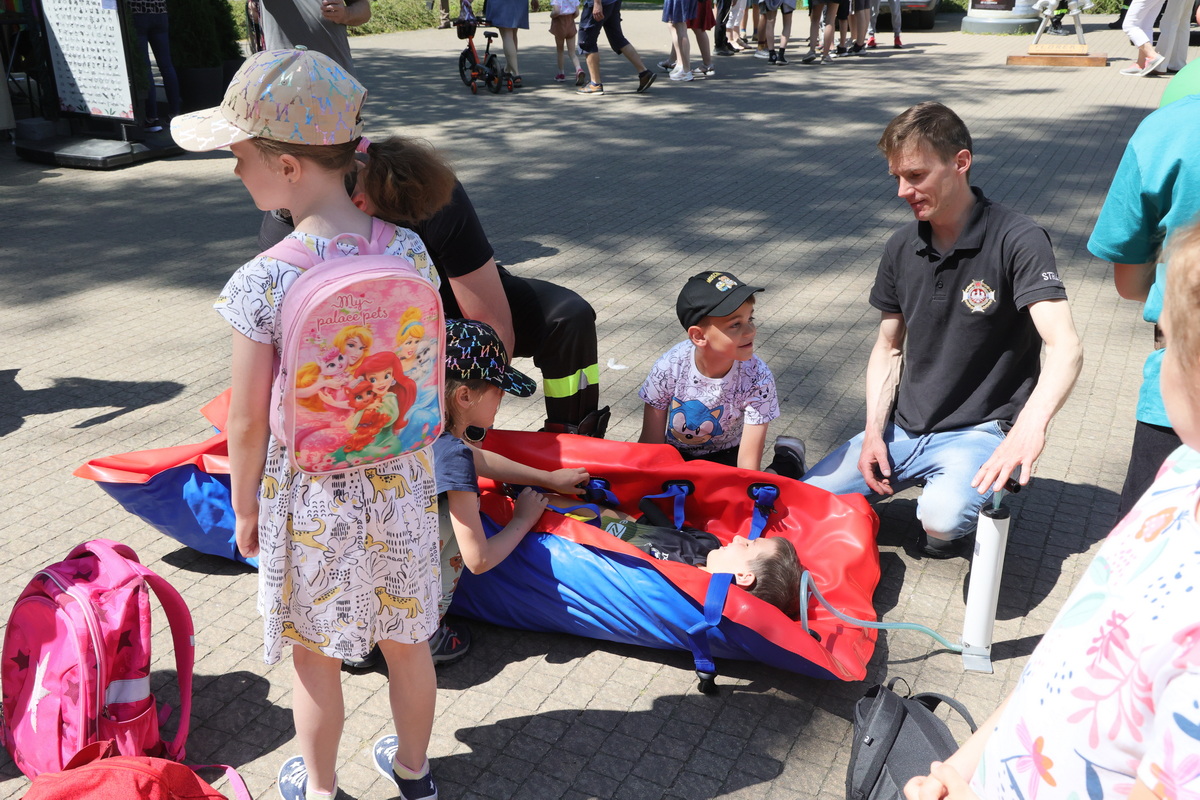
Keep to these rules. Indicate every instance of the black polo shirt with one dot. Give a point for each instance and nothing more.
(972, 350)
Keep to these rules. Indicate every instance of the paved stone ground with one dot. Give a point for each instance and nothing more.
(771, 173)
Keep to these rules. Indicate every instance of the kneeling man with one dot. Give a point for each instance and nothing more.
(957, 399)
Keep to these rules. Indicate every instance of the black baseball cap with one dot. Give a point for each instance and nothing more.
(711, 294)
(475, 352)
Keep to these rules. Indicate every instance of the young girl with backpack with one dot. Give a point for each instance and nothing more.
(347, 559)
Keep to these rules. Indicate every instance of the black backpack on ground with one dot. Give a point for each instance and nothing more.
(896, 738)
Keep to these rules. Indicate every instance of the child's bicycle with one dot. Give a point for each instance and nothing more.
(471, 69)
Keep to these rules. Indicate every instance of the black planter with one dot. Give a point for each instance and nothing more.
(201, 87)
(228, 67)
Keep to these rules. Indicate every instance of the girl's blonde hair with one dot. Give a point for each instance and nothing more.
(410, 325)
(306, 376)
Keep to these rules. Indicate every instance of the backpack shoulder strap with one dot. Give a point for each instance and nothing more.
(120, 559)
(292, 251)
(931, 700)
(875, 732)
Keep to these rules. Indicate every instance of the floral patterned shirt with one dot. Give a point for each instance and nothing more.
(1112, 692)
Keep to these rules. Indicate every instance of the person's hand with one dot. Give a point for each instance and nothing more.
(943, 781)
(566, 481)
(529, 506)
(1019, 450)
(597, 11)
(334, 10)
(874, 465)
(245, 531)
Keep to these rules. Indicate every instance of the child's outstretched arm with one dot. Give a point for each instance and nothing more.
(248, 432)
(504, 470)
(654, 425)
(478, 551)
(750, 449)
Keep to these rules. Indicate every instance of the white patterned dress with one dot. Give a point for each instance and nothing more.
(348, 559)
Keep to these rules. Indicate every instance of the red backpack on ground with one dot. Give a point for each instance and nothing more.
(75, 667)
(98, 773)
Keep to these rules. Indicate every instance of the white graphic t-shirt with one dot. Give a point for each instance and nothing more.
(705, 414)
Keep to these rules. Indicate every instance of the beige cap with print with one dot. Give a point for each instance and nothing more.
(296, 96)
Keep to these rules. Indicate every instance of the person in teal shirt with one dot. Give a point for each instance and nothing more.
(1156, 190)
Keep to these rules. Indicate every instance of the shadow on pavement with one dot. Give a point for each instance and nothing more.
(66, 394)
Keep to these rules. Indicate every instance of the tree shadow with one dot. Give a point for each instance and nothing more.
(75, 393)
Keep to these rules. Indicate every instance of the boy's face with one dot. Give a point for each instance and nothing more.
(737, 557)
(1178, 382)
(731, 337)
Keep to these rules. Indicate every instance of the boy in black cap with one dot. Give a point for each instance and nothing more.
(709, 396)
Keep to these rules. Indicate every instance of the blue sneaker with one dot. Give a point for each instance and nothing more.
(422, 788)
(293, 779)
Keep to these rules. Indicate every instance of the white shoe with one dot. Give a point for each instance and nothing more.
(681, 75)
(667, 65)
(761, 54)
(704, 71)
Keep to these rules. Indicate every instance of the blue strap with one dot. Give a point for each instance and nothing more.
(677, 492)
(714, 609)
(764, 496)
(599, 490)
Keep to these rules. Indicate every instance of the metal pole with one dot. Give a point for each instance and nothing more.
(987, 567)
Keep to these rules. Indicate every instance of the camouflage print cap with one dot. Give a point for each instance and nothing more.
(295, 96)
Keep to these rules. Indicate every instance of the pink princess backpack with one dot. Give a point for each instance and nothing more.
(360, 378)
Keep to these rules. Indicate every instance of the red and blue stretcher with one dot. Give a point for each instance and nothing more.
(573, 577)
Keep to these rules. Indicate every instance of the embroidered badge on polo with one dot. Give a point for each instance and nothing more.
(978, 296)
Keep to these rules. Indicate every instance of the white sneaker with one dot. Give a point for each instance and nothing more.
(704, 71)
(667, 65)
(681, 75)
(761, 54)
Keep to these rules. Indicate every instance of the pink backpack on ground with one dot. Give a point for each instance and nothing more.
(349, 323)
(75, 667)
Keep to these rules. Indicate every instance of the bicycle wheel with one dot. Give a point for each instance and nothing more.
(493, 74)
(466, 66)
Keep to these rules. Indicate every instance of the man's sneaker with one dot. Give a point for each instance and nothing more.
(858, 50)
(871, 42)
(941, 548)
(645, 78)
(725, 50)
(448, 645)
(896, 43)
(667, 65)
(760, 53)
(681, 75)
(781, 60)
(840, 51)
(772, 57)
(826, 59)
(293, 779)
(422, 788)
(789, 458)
(809, 57)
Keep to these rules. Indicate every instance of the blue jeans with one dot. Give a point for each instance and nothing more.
(945, 462)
